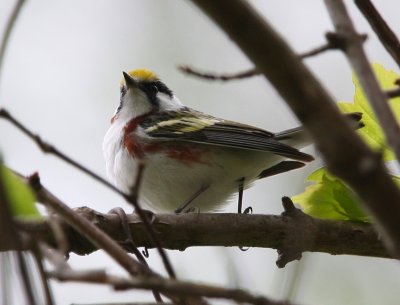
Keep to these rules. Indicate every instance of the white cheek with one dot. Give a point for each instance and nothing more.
(169, 104)
(135, 103)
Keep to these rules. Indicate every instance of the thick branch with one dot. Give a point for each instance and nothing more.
(357, 165)
(179, 232)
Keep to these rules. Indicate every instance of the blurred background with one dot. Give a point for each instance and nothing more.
(61, 78)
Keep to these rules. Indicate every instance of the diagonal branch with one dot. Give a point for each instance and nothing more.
(357, 165)
(385, 34)
(85, 227)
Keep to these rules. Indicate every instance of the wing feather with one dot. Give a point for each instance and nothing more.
(193, 126)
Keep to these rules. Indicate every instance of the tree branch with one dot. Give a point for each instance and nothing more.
(331, 44)
(385, 34)
(170, 286)
(179, 232)
(357, 165)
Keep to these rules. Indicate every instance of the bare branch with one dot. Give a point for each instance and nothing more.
(229, 230)
(43, 276)
(385, 34)
(357, 165)
(332, 44)
(182, 288)
(220, 77)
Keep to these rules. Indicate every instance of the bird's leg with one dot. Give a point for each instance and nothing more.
(247, 210)
(240, 197)
(190, 200)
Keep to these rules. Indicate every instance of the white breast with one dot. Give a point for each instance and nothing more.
(120, 167)
(168, 183)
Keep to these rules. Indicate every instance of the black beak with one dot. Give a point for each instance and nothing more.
(130, 81)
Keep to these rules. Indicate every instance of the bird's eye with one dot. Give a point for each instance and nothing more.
(154, 89)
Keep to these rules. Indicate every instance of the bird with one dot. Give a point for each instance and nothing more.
(190, 159)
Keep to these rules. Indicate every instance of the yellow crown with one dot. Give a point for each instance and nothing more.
(141, 74)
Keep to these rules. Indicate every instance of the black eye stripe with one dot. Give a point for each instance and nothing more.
(152, 88)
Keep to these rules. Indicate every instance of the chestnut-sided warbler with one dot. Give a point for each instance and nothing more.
(190, 158)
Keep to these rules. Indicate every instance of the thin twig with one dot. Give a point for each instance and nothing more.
(43, 277)
(182, 288)
(220, 77)
(333, 43)
(330, 45)
(385, 34)
(393, 93)
(48, 148)
(7, 32)
(53, 256)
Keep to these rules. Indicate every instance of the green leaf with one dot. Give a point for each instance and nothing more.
(20, 196)
(372, 132)
(330, 198)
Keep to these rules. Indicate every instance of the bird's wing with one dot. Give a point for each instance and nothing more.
(193, 126)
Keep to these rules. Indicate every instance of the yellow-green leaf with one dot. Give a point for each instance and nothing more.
(20, 196)
(328, 197)
(372, 132)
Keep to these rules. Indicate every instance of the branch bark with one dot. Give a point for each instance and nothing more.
(179, 232)
(357, 165)
(385, 34)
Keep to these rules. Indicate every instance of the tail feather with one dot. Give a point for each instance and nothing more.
(299, 138)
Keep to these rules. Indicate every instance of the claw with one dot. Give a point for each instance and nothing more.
(128, 242)
(145, 252)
